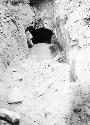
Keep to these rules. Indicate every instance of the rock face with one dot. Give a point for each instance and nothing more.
(82, 63)
(9, 43)
(29, 39)
(78, 23)
(9, 116)
(44, 15)
(13, 45)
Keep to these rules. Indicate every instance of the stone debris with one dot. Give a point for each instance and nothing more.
(9, 116)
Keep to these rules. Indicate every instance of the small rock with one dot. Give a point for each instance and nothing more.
(20, 79)
(15, 97)
(9, 116)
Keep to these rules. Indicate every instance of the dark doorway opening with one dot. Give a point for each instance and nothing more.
(41, 35)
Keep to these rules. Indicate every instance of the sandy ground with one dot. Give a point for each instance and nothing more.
(37, 91)
(40, 90)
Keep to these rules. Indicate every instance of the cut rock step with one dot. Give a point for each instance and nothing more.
(15, 97)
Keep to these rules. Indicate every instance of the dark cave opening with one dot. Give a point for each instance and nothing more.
(38, 2)
(46, 36)
(41, 35)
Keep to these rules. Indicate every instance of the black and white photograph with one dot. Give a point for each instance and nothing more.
(44, 62)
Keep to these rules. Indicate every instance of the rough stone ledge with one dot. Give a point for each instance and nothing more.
(9, 116)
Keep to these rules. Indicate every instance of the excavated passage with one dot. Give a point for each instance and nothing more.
(41, 35)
